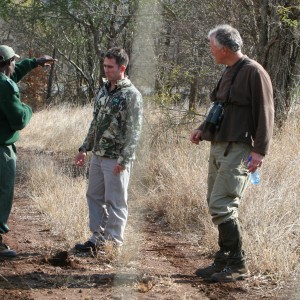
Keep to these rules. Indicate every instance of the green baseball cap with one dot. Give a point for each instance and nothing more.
(7, 53)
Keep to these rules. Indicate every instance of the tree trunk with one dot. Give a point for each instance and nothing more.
(50, 80)
(276, 36)
(281, 56)
(194, 92)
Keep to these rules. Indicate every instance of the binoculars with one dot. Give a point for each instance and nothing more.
(216, 113)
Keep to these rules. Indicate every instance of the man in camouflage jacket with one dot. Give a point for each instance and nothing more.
(112, 137)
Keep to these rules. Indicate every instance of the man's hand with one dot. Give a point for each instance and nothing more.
(80, 158)
(255, 162)
(196, 136)
(45, 60)
(118, 169)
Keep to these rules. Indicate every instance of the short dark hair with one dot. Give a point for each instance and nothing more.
(119, 54)
(226, 35)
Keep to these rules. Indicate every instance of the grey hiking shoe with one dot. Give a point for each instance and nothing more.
(230, 274)
(6, 252)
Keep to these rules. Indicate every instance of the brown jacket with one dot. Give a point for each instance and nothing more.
(249, 115)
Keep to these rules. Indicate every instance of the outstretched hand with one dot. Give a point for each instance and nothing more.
(45, 60)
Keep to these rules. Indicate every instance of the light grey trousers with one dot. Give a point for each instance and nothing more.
(107, 200)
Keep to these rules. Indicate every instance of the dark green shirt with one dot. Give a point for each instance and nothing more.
(14, 115)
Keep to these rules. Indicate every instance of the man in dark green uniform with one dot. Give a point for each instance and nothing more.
(14, 116)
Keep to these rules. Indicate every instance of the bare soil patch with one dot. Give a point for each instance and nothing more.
(163, 267)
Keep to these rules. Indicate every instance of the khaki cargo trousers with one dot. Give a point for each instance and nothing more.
(227, 179)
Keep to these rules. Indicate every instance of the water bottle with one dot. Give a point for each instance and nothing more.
(254, 177)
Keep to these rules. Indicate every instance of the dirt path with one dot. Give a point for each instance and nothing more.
(162, 268)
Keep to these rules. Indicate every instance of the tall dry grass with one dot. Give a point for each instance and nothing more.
(169, 179)
(60, 197)
(271, 211)
(51, 141)
(59, 129)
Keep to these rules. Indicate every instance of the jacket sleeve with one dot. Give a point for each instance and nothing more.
(262, 111)
(22, 68)
(17, 113)
(133, 128)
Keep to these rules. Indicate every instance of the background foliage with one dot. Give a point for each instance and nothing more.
(79, 32)
(170, 60)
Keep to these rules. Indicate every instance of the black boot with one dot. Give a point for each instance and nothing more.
(231, 235)
(5, 251)
(218, 265)
(236, 268)
(220, 262)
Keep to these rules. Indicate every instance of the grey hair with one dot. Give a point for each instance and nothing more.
(226, 35)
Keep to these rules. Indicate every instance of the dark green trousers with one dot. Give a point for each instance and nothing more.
(7, 182)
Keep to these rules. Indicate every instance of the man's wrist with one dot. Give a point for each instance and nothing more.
(262, 154)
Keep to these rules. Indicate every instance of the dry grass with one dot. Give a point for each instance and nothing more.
(60, 197)
(271, 211)
(169, 179)
(59, 129)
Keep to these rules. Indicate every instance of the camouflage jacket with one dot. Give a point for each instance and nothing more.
(117, 118)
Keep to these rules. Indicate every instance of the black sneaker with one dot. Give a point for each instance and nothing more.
(86, 247)
(5, 251)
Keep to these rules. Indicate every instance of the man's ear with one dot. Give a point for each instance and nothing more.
(123, 68)
(224, 50)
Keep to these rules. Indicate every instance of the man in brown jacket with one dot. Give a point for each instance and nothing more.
(239, 127)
